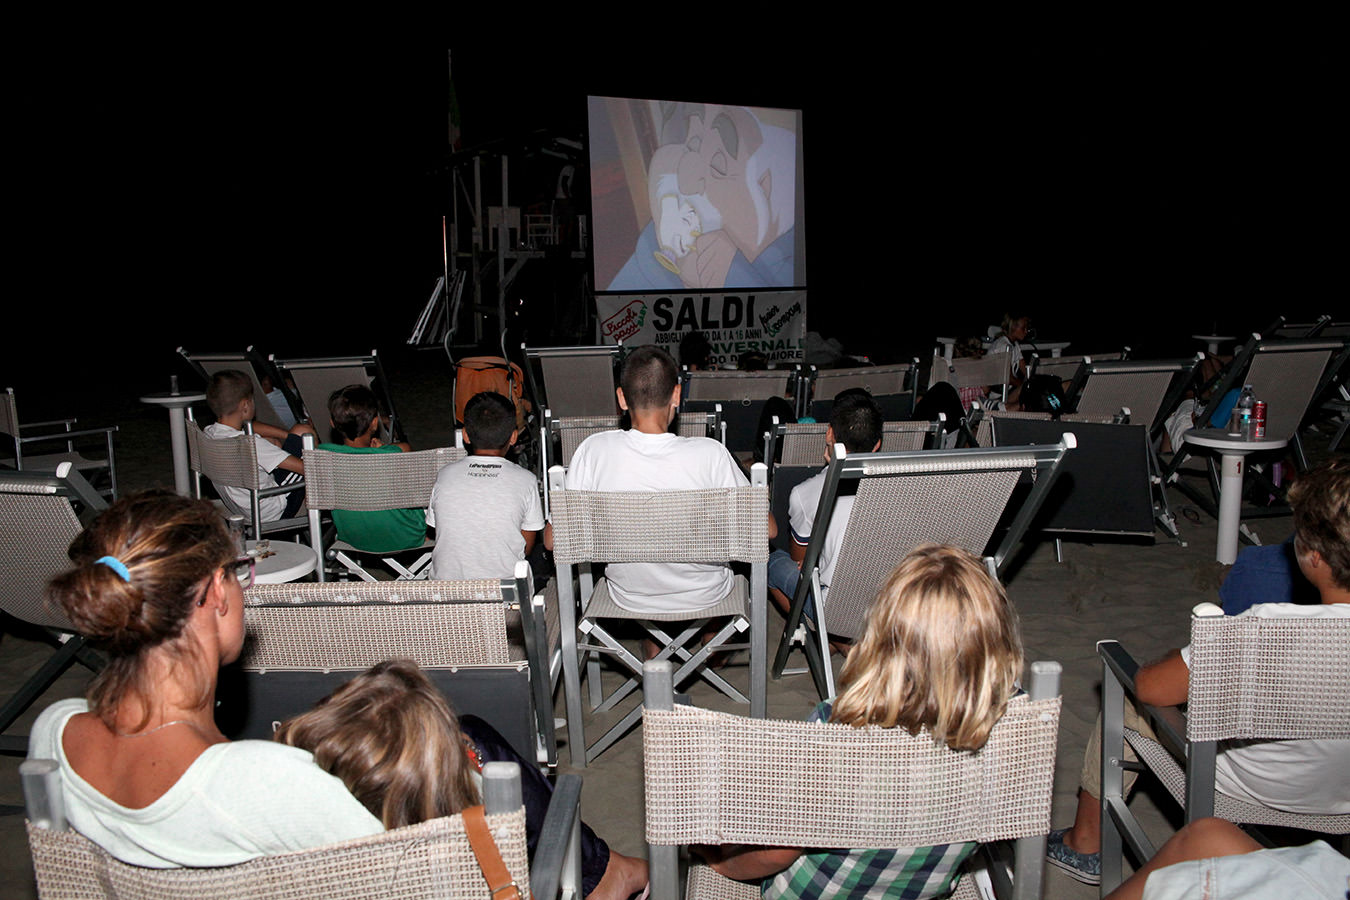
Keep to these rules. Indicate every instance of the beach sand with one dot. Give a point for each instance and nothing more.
(1139, 593)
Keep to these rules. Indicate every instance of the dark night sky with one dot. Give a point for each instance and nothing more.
(1127, 191)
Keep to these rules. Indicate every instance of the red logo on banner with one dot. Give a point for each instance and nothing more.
(626, 322)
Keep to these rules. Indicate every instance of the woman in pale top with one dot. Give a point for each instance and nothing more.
(146, 773)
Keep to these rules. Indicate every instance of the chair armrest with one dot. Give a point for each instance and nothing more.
(1168, 721)
(64, 422)
(282, 489)
(67, 435)
(559, 843)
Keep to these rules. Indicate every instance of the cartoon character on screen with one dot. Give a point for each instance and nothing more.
(722, 201)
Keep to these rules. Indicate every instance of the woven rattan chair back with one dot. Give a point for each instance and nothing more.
(803, 443)
(429, 860)
(992, 368)
(37, 525)
(715, 778)
(891, 386)
(375, 481)
(231, 461)
(579, 384)
(1257, 678)
(1140, 387)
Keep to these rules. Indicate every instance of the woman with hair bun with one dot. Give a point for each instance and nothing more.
(146, 773)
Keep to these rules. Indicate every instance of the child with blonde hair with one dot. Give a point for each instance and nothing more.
(396, 743)
(941, 654)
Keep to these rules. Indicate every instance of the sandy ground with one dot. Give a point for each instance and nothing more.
(1138, 593)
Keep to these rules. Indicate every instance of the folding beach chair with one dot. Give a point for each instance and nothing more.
(233, 462)
(252, 364)
(1298, 330)
(369, 482)
(1251, 679)
(317, 379)
(902, 500)
(715, 778)
(662, 526)
(1066, 367)
(988, 370)
(433, 859)
(803, 443)
(564, 435)
(1149, 389)
(1286, 375)
(576, 381)
(39, 517)
(892, 387)
(484, 643)
(742, 396)
(49, 433)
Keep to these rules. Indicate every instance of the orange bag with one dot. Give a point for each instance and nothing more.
(490, 373)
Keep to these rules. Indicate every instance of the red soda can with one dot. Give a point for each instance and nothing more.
(1259, 419)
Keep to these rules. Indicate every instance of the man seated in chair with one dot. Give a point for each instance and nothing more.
(1304, 776)
(230, 396)
(354, 412)
(649, 458)
(855, 422)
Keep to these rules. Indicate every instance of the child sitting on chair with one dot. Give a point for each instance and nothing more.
(355, 414)
(230, 396)
(941, 653)
(485, 508)
(392, 738)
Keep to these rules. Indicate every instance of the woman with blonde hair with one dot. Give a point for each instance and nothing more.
(941, 654)
(396, 743)
(145, 772)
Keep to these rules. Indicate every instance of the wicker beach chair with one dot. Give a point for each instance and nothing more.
(432, 859)
(716, 778)
(316, 379)
(1287, 376)
(234, 462)
(803, 443)
(369, 482)
(892, 387)
(1149, 389)
(484, 643)
(903, 500)
(664, 526)
(742, 396)
(1251, 678)
(50, 433)
(39, 517)
(990, 369)
(573, 381)
(252, 364)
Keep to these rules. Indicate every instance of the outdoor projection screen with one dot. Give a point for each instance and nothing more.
(695, 196)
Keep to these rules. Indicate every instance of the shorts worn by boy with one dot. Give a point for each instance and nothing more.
(479, 507)
(269, 457)
(636, 461)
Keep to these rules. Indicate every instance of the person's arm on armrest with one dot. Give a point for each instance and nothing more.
(745, 863)
(529, 537)
(271, 432)
(1165, 682)
(292, 464)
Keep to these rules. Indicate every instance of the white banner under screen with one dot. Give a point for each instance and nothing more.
(769, 322)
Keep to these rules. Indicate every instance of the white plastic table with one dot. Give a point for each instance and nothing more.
(1056, 348)
(1212, 341)
(175, 402)
(288, 562)
(1233, 448)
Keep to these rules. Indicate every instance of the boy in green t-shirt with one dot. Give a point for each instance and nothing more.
(355, 415)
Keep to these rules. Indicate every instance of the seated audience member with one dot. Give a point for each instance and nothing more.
(354, 413)
(398, 746)
(1016, 328)
(230, 396)
(1211, 858)
(485, 508)
(145, 772)
(1268, 574)
(855, 422)
(941, 654)
(649, 458)
(1303, 776)
(696, 352)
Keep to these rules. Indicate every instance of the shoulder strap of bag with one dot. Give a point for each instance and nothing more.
(499, 881)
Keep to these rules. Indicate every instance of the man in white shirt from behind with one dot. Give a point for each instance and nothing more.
(648, 458)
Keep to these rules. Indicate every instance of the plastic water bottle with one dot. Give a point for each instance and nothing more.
(1246, 404)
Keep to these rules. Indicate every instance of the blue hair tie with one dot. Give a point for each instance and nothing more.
(116, 565)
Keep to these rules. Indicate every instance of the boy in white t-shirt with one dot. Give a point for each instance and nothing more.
(1302, 776)
(485, 508)
(230, 396)
(649, 458)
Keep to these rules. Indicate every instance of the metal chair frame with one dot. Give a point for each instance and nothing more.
(251, 363)
(892, 387)
(317, 378)
(242, 453)
(67, 432)
(587, 365)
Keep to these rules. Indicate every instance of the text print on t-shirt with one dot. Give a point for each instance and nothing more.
(484, 470)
